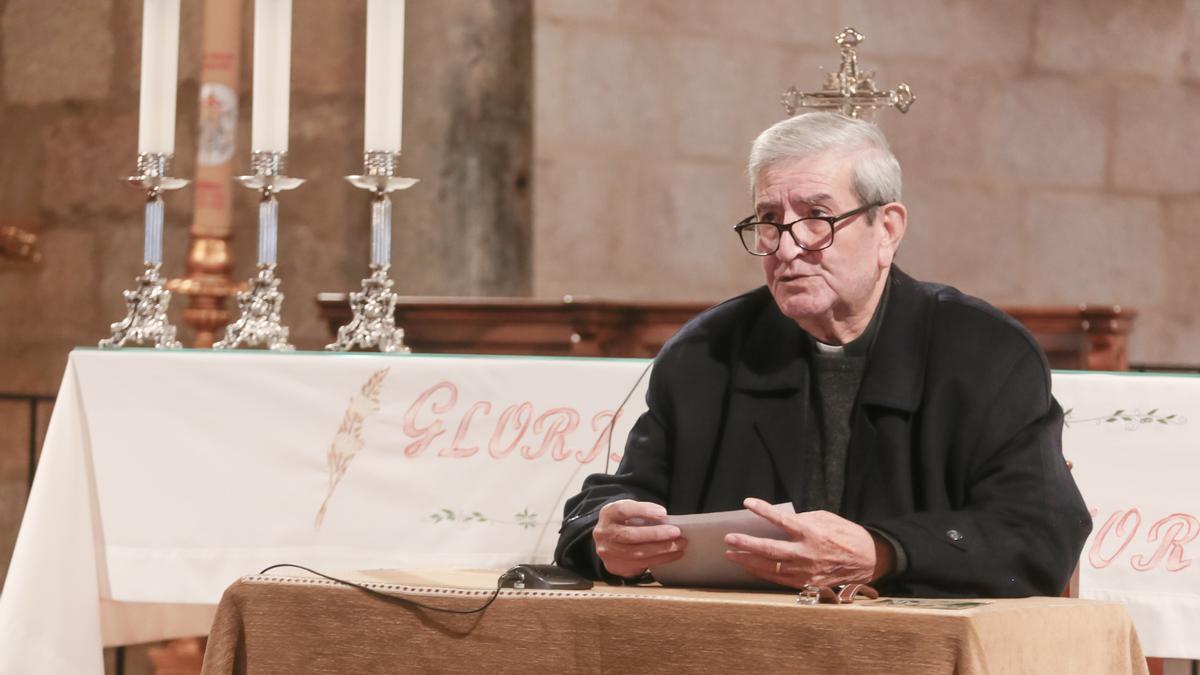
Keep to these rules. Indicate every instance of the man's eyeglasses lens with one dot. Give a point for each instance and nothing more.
(761, 238)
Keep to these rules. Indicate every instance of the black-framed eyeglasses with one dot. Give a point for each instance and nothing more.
(814, 233)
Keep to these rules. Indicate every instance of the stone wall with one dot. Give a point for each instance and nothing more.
(1052, 156)
(69, 74)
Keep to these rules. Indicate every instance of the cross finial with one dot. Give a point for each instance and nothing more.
(849, 37)
(849, 91)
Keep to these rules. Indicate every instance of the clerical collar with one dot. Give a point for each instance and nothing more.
(829, 350)
(861, 345)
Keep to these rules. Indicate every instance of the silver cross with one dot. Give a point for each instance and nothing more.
(849, 91)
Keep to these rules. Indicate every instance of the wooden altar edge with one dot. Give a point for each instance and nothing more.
(430, 588)
(1082, 337)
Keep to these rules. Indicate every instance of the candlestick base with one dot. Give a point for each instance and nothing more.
(146, 320)
(373, 325)
(259, 324)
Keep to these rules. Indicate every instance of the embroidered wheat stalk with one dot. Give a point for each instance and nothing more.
(348, 439)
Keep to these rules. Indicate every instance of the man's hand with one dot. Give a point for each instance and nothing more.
(629, 541)
(825, 550)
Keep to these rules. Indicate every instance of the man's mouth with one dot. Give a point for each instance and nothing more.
(785, 278)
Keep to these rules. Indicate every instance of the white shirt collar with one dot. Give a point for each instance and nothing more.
(830, 350)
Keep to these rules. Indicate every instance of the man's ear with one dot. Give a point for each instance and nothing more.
(893, 220)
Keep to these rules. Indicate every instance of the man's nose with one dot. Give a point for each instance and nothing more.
(789, 247)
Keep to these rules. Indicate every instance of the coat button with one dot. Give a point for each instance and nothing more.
(954, 535)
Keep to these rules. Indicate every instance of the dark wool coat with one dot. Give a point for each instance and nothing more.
(955, 452)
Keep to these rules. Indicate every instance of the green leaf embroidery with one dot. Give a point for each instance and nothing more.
(1133, 419)
(524, 519)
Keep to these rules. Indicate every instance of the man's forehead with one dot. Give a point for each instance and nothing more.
(810, 180)
(793, 195)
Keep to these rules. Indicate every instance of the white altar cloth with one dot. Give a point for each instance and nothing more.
(165, 476)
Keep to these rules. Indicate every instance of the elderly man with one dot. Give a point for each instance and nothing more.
(910, 425)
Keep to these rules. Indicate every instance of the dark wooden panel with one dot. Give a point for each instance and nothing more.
(1086, 337)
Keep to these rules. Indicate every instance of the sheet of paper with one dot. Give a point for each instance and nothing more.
(704, 563)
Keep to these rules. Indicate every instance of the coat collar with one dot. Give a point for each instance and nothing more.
(777, 350)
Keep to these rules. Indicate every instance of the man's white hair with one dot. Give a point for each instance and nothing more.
(876, 174)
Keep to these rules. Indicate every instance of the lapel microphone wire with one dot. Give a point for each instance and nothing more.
(613, 423)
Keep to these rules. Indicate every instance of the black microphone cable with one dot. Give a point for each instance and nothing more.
(507, 576)
(613, 423)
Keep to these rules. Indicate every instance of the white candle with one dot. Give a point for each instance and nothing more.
(160, 66)
(272, 75)
(385, 75)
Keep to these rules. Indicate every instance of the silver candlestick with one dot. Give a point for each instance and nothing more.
(145, 319)
(259, 323)
(373, 324)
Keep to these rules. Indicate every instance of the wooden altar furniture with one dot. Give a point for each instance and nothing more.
(1084, 337)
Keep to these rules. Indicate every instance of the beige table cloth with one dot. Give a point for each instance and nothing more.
(301, 623)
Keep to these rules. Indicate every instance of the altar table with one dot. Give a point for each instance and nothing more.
(166, 476)
(299, 623)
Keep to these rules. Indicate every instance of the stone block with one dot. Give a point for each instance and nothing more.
(1154, 146)
(14, 467)
(1046, 133)
(21, 165)
(754, 22)
(552, 106)
(1183, 250)
(1096, 249)
(685, 248)
(1164, 336)
(57, 50)
(1192, 56)
(968, 237)
(311, 258)
(191, 40)
(621, 107)
(34, 362)
(575, 10)
(55, 299)
(338, 66)
(984, 34)
(325, 138)
(87, 157)
(1111, 38)
(626, 229)
(583, 211)
(942, 136)
(1165, 333)
(14, 470)
(14, 441)
(722, 95)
